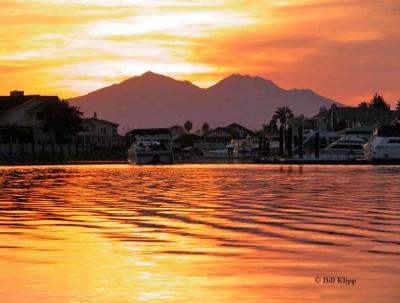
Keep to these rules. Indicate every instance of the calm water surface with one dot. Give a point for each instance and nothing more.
(206, 233)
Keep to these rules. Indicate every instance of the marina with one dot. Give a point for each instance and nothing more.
(174, 151)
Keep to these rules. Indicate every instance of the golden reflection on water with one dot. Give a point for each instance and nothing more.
(199, 233)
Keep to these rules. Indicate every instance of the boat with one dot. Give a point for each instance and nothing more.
(384, 145)
(237, 149)
(215, 154)
(225, 153)
(150, 146)
(345, 148)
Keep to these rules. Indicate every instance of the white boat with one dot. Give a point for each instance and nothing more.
(345, 148)
(237, 149)
(215, 154)
(384, 144)
(150, 146)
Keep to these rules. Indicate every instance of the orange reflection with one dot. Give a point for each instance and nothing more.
(197, 233)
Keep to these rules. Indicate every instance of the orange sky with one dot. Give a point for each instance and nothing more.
(343, 49)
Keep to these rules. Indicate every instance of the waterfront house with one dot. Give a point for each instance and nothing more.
(177, 131)
(219, 137)
(99, 133)
(21, 118)
(226, 134)
(338, 118)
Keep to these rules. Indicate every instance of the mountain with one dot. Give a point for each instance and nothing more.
(153, 100)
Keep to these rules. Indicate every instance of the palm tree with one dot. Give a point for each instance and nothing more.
(188, 126)
(283, 114)
(205, 128)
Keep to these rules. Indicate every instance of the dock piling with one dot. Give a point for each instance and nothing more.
(300, 135)
(317, 145)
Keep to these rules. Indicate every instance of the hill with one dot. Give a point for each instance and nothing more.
(153, 100)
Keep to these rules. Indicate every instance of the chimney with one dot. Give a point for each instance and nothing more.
(94, 115)
(17, 93)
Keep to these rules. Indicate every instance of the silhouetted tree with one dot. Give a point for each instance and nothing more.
(283, 114)
(398, 105)
(63, 119)
(188, 126)
(205, 128)
(273, 127)
(363, 104)
(377, 101)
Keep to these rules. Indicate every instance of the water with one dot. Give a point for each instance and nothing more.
(207, 233)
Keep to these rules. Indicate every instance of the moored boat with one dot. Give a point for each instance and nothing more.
(345, 148)
(384, 145)
(150, 146)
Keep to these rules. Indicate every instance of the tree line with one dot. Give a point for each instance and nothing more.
(283, 115)
(188, 126)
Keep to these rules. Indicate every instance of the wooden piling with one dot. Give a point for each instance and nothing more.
(281, 151)
(317, 145)
(300, 134)
(289, 140)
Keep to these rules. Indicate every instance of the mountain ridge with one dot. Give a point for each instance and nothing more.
(155, 100)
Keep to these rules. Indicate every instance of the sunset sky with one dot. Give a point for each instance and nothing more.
(343, 49)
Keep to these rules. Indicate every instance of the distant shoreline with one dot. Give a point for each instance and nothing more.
(286, 162)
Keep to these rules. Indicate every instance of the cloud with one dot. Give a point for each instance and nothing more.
(344, 49)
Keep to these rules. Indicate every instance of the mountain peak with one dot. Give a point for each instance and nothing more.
(150, 74)
(238, 80)
(150, 77)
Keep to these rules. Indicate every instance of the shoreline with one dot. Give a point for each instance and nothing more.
(212, 161)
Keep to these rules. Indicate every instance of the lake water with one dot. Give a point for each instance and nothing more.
(200, 233)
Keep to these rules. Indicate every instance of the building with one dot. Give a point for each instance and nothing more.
(177, 131)
(21, 118)
(226, 134)
(338, 118)
(99, 133)
(219, 137)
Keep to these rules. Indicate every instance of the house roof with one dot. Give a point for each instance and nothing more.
(321, 114)
(8, 103)
(236, 125)
(221, 129)
(231, 130)
(50, 98)
(177, 127)
(90, 120)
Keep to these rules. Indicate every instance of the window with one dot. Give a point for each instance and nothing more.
(394, 141)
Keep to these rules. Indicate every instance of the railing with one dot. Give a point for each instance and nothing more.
(49, 152)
